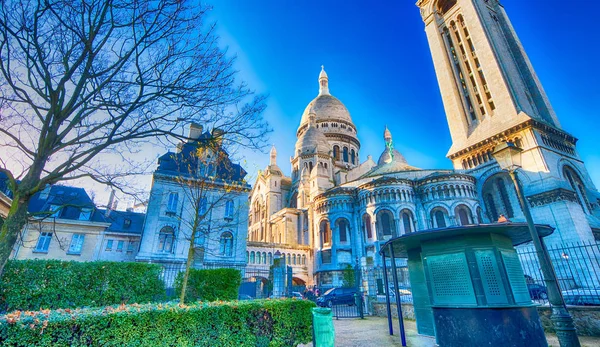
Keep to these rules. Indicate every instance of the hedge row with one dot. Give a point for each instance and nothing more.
(210, 285)
(251, 323)
(50, 284)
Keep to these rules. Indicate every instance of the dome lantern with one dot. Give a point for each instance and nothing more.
(323, 82)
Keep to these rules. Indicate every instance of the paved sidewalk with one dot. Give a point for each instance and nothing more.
(373, 332)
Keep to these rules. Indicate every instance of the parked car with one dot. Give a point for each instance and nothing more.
(404, 292)
(337, 296)
(582, 296)
(297, 295)
(537, 291)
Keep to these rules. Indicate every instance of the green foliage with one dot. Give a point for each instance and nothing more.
(249, 323)
(50, 284)
(349, 276)
(210, 284)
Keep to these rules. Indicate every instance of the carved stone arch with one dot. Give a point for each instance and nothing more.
(562, 162)
(438, 221)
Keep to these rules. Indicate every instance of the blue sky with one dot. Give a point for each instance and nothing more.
(379, 66)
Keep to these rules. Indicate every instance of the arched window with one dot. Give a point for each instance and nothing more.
(226, 244)
(258, 258)
(336, 152)
(264, 258)
(464, 215)
(578, 187)
(342, 225)
(303, 259)
(247, 257)
(345, 154)
(367, 226)
(229, 209)
(325, 232)
(407, 222)
(252, 258)
(386, 224)
(491, 207)
(504, 196)
(283, 258)
(479, 216)
(352, 156)
(165, 239)
(310, 166)
(294, 259)
(289, 259)
(439, 218)
(270, 258)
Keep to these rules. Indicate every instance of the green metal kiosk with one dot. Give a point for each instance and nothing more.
(468, 286)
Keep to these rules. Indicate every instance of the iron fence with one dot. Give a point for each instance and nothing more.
(577, 268)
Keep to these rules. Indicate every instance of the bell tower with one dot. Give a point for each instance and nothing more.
(487, 82)
(491, 94)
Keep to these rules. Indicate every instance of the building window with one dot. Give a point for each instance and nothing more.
(326, 257)
(127, 223)
(270, 258)
(439, 218)
(203, 206)
(229, 209)
(120, 245)
(165, 239)
(294, 259)
(578, 187)
(352, 156)
(367, 226)
(289, 259)
(464, 215)
(386, 223)
(43, 242)
(303, 259)
(345, 154)
(172, 203)
(109, 245)
(325, 231)
(131, 246)
(444, 5)
(199, 255)
(336, 152)
(85, 214)
(200, 237)
(252, 257)
(264, 258)
(226, 244)
(343, 229)
(407, 221)
(76, 244)
(56, 211)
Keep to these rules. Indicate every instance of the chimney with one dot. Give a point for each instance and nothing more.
(217, 135)
(110, 203)
(195, 131)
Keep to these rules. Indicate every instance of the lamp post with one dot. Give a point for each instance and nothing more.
(508, 156)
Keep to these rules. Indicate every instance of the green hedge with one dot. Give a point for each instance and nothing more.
(249, 323)
(210, 284)
(50, 284)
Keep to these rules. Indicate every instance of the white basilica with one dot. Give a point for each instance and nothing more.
(336, 211)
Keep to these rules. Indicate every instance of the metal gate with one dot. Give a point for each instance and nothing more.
(349, 311)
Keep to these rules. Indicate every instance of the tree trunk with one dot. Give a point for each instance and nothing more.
(188, 265)
(14, 223)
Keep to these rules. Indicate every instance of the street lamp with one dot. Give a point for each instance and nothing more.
(508, 156)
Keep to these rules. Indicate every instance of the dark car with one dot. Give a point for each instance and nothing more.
(337, 296)
(537, 291)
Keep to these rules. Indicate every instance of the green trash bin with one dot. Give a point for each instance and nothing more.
(323, 333)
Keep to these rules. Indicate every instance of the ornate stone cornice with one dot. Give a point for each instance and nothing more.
(552, 196)
(501, 136)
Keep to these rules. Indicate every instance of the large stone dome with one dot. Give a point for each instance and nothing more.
(326, 108)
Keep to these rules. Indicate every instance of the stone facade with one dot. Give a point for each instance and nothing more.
(185, 185)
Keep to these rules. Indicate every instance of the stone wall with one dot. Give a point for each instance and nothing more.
(587, 319)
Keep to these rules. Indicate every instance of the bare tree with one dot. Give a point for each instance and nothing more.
(214, 192)
(83, 81)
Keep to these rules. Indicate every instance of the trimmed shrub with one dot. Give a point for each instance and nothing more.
(50, 284)
(236, 323)
(210, 284)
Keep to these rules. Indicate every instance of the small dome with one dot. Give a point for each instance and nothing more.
(312, 140)
(386, 157)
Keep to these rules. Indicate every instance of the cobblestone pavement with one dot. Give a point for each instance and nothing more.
(373, 332)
